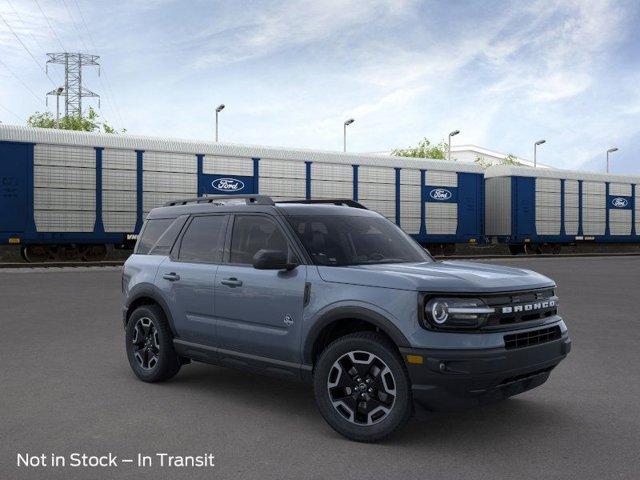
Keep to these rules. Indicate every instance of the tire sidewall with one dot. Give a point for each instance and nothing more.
(168, 363)
(403, 403)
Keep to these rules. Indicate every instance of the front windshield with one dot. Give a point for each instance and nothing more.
(341, 240)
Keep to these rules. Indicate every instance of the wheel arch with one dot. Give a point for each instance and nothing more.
(353, 316)
(144, 294)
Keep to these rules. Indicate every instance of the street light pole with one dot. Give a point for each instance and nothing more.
(59, 90)
(611, 150)
(535, 152)
(218, 110)
(452, 134)
(344, 133)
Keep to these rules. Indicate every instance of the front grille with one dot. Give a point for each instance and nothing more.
(534, 337)
(519, 307)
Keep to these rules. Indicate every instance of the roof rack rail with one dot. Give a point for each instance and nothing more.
(220, 199)
(335, 201)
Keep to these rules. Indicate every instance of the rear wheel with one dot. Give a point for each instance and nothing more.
(362, 388)
(149, 345)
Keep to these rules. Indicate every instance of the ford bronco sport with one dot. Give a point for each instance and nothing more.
(334, 294)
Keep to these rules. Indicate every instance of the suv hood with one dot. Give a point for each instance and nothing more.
(447, 276)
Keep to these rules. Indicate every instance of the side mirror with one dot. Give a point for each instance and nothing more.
(272, 260)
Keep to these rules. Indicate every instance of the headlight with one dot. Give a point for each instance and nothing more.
(456, 312)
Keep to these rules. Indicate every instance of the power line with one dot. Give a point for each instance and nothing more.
(27, 49)
(21, 81)
(75, 27)
(24, 26)
(106, 85)
(12, 113)
(50, 26)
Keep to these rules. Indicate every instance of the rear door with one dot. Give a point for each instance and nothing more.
(187, 277)
(259, 312)
(14, 165)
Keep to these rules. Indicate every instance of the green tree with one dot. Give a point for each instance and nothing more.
(425, 149)
(89, 123)
(510, 159)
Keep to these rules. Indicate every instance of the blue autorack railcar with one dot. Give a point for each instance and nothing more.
(67, 194)
(543, 209)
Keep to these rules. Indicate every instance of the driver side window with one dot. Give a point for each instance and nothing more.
(252, 233)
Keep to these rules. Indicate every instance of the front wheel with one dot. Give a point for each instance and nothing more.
(149, 345)
(362, 388)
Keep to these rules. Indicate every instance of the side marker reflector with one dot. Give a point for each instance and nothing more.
(14, 241)
(415, 359)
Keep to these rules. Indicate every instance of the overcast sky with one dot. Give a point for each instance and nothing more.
(504, 73)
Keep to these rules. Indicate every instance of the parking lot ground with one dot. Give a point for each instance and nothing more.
(66, 387)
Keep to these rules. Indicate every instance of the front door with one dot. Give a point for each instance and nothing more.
(187, 278)
(259, 312)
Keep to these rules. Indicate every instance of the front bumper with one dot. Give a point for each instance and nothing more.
(451, 379)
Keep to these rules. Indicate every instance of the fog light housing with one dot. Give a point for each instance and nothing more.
(456, 312)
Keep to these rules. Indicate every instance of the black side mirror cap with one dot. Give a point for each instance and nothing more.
(272, 260)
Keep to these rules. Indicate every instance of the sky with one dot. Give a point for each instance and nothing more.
(504, 73)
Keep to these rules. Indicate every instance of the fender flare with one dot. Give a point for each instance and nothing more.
(351, 312)
(149, 291)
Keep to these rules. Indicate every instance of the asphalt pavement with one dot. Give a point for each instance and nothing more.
(65, 387)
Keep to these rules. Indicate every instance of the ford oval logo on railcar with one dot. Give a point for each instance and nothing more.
(227, 184)
(619, 202)
(440, 194)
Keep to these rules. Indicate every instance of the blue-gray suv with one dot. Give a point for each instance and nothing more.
(334, 294)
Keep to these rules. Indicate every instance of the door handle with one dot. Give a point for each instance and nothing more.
(231, 282)
(172, 277)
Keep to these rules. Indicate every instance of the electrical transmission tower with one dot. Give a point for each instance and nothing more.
(73, 91)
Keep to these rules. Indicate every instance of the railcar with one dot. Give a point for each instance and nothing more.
(540, 210)
(68, 195)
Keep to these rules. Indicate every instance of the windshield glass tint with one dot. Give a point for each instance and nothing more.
(340, 240)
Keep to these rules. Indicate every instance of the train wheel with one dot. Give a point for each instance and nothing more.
(36, 253)
(434, 249)
(516, 249)
(545, 249)
(93, 253)
(557, 248)
(448, 249)
(69, 253)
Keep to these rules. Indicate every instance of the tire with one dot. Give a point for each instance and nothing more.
(379, 367)
(152, 356)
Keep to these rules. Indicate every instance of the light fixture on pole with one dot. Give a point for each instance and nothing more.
(57, 92)
(218, 110)
(452, 134)
(344, 133)
(611, 150)
(535, 152)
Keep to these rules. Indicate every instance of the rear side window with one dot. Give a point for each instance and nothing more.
(252, 233)
(168, 238)
(151, 232)
(204, 239)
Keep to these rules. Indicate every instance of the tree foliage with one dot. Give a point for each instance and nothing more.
(510, 159)
(89, 123)
(425, 149)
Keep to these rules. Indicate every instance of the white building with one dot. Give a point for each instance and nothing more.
(469, 154)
